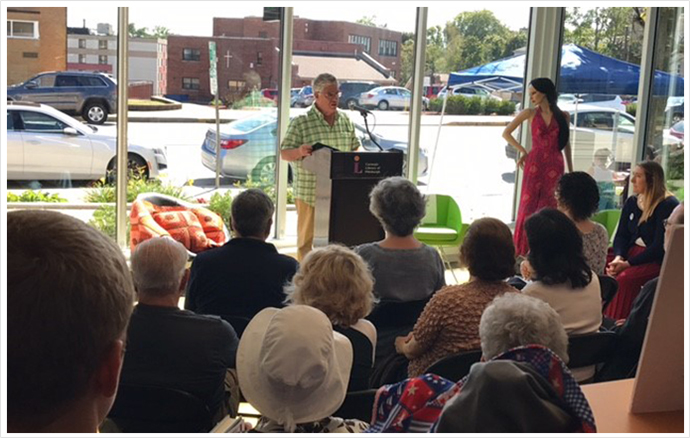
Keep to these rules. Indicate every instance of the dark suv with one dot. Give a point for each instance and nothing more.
(350, 91)
(92, 95)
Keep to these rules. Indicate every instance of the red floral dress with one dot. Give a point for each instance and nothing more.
(543, 168)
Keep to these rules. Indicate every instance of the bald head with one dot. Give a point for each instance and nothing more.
(158, 265)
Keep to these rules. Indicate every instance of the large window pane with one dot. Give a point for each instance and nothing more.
(665, 139)
(598, 83)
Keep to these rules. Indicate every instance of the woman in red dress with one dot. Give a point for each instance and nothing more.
(543, 164)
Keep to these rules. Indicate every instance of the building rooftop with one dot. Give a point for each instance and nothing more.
(345, 69)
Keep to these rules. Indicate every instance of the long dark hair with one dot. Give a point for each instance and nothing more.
(556, 249)
(546, 86)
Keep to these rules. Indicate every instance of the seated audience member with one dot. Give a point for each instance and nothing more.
(639, 243)
(246, 274)
(632, 330)
(335, 280)
(449, 323)
(560, 275)
(69, 298)
(175, 348)
(293, 368)
(522, 385)
(404, 269)
(577, 195)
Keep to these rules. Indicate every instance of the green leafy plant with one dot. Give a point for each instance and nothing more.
(32, 196)
(104, 191)
(253, 99)
(462, 105)
(220, 204)
(104, 220)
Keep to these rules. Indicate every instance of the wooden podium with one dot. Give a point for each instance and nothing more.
(343, 183)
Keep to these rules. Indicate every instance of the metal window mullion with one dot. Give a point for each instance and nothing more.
(122, 94)
(417, 92)
(644, 88)
(285, 80)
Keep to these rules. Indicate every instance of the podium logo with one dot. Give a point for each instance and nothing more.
(357, 169)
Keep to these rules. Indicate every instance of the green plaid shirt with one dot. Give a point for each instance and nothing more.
(311, 128)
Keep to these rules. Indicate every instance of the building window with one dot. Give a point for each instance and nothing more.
(82, 59)
(263, 34)
(388, 48)
(103, 44)
(236, 85)
(82, 44)
(191, 54)
(102, 59)
(259, 58)
(393, 74)
(190, 83)
(30, 55)
(362, 40)
(22, 29)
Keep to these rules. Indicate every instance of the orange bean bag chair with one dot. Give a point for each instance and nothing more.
(196, 227)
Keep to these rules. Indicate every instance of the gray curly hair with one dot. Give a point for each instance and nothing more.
(398, 205)
(515, 319)
(322, 80)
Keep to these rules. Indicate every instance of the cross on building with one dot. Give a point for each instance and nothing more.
(227, 57)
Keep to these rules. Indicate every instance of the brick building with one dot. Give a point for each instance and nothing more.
(36, 42)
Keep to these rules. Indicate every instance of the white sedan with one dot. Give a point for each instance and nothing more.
(385, 98)
(44, 143)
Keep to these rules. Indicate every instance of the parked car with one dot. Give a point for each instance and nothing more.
(678, 130)
(248, 147)
(351, 90)
(304, 98)
(385, 98)
(675, 108)
(91, 95)
(594, 128)
(468, 91)
(44, 143)
(431, 91)
(270, 93)
(602, 100)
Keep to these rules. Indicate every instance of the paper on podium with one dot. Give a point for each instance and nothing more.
(318, 162)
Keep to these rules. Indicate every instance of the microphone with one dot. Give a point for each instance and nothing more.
(362, 111)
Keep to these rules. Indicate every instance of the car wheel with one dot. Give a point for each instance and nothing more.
(677, 117)
(95, 112)
(136, 167)
(265, 170)
(351, 103)
(383, 105)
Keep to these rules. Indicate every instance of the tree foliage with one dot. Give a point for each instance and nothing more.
(371, 21)
(143, 32)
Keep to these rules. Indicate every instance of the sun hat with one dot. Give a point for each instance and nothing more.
(292, 366)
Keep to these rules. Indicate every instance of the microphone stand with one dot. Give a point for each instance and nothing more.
(364, 115)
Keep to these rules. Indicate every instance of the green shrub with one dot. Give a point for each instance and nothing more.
(31, 196)
(456, 105)
(492, 106)
(104, 191)
(474, 105)
(267, 186)
(104, 221)
(631, 109)
(220, 204)
(253, 99)
(506, 108)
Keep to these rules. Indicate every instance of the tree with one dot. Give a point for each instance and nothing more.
(137, 32)
(371, 21)
(161, 32)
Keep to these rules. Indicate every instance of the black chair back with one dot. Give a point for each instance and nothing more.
(609, 288)
(358, 404)
(591, 349)
(239, 323)
(457, 366)
(396, 313)
(151, 409)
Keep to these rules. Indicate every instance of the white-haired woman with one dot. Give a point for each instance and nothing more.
(335, 280)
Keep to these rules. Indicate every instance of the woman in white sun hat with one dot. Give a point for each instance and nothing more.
(294, 369)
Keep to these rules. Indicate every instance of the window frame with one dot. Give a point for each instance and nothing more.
(10, 28)
(195, 54)
(191, 81)
(388, 48)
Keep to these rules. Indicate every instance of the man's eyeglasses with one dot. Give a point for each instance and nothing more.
(331, 95)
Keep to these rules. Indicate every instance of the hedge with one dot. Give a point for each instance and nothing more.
(461, 105)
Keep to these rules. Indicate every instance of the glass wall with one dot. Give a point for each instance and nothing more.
(598, 85)
(468, 158)
(665, 136)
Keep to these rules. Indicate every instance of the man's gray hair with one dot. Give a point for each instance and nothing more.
(158, 265)
(398, 205)
(515, 319)
(322, 80)
(252, 211)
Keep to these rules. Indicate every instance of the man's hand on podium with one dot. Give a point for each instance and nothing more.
(305, 150)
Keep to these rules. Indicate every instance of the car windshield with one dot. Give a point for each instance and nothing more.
(251, 123)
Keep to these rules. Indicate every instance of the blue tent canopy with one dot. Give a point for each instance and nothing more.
(582, 71)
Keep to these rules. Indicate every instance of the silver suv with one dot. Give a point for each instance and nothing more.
(92, 95)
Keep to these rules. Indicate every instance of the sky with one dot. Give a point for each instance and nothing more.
(183, 20)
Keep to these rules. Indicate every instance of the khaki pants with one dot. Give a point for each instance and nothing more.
(305, 228)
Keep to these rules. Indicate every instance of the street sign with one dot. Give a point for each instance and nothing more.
(213, 71)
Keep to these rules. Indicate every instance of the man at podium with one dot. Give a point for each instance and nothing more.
(325, 124)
